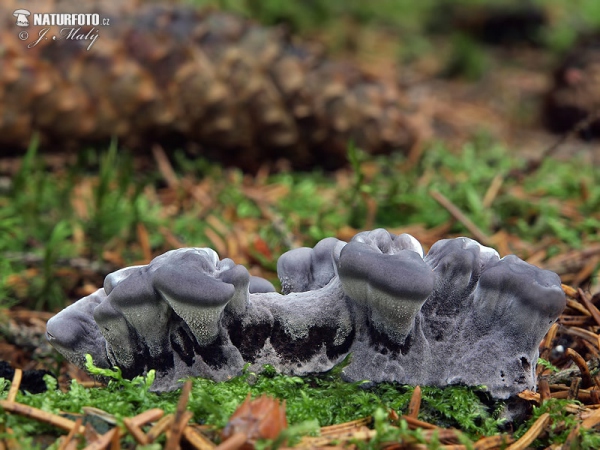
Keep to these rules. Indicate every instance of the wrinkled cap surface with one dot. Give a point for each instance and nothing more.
(305, 269)
(537, 291)
(73, 331)
(389, 243)
(387, 275)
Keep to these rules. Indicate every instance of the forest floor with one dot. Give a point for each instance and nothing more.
(546, 213)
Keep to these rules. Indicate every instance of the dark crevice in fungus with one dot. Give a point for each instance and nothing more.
(386, 346)
(248, 339)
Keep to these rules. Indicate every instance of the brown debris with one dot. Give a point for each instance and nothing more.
(415, 403)
(261, 418)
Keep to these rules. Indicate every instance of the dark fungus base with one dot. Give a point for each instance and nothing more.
(458, 315)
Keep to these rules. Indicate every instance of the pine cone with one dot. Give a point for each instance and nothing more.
(574, 100)
(175, 75)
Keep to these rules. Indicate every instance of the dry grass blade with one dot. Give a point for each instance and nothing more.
(100, 414)
(38, 414)
(461, 217)
(569, 291)
(544, 389)
(165, 167)
(592, 420)
(586, 271)
(574, 321)
(14, 387)
(586, 377)
(414, 423)
(583, 333)
(531, 435)
(493, 191)
(589, 305)
(530, 396)
(448, 436)
(332, 430)
(216, 241)
(572, 438)
(573, 392)
(415, 403)
(159, 427)
(176, 431)
(69, 438)
(182, 416)
(137, 433)
(197, 439)
(104, 441)
(493, 442)
(546, 347)
(148, 416)
(578, 307)
(144, 241)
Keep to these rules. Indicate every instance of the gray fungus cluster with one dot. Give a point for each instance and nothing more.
(459, 315)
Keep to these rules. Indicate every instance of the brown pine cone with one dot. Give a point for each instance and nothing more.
(172, 74)
(574, 100)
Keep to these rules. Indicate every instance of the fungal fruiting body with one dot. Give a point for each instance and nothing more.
(460, 314)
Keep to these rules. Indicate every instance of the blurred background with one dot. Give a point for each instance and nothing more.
(253, 127)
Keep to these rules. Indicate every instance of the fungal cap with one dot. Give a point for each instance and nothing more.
(392, 286)
(73, 331)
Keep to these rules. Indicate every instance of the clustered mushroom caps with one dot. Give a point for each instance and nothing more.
(461, 314)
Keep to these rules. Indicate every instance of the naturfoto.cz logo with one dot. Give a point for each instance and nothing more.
(71, 24)
(61, 20)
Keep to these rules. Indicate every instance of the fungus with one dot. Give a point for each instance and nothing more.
(74, 331)
(304, 269)
(458, 315)
(386, 274)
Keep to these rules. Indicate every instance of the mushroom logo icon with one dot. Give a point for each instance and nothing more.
(21, 15)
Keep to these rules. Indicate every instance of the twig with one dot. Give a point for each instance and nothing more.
(414, 423)
(493, 442)
(148, 416)
(103, 441)
(277, 221)
(137, 433)
(572, 261)
(536, 429)
(583, 333)
(573, 392)
(544, 389)
(164, 166)
(14, 387)
(590, 306)
(197, 439)
(181, 417)
(549, 151)
(461, 217)
(345, 427)
(71, 435)
(547, 346)
(586, 377)
(492, 191)
(38, 414)
(159, 427)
